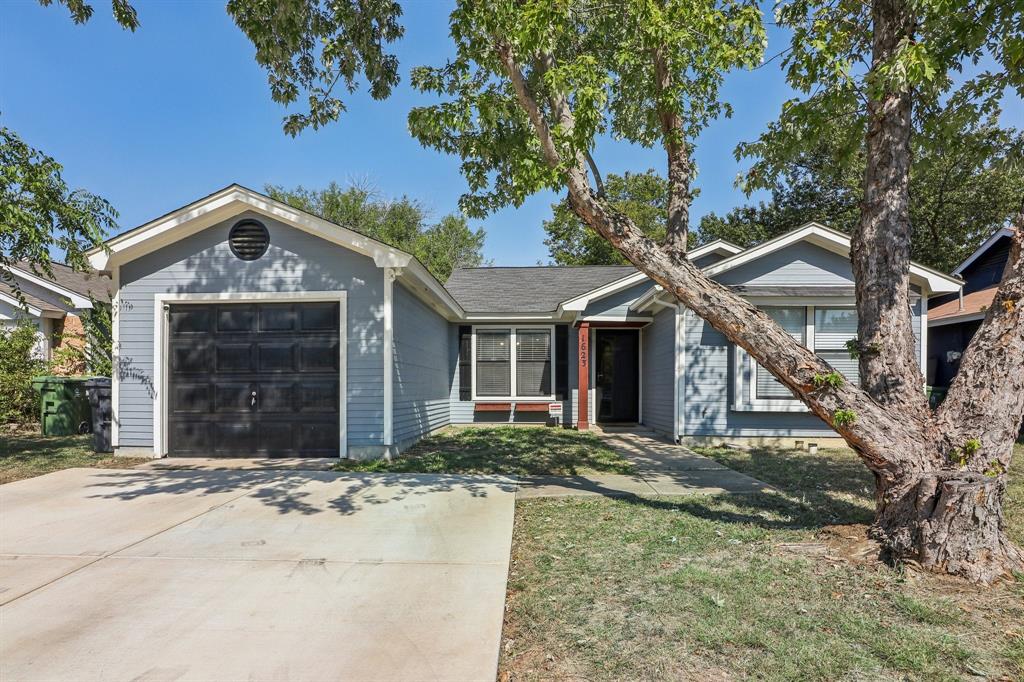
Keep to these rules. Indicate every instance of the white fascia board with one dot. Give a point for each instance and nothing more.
(222, 205)
(717, 246)
(76, 299)
(1001, 232)
(649, 298)
(13, 300)
(511, 317)
(943, 321)
(426, 287)
(580, 302)
(933, 281)
(235, 199)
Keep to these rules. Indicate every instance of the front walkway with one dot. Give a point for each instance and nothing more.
(662, 469)
(252, 575)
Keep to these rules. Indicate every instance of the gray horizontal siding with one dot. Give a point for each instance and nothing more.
(707, 397)
(420, 379)
(295, 262)
(658, 354)
(617, 304)
(798, 264)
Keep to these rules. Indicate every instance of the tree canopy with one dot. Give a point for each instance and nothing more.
(402, 223)
(40, 214)
(964, 184)
(641, 196)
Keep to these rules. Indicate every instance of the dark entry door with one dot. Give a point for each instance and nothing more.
(250, 380)
(617, 375)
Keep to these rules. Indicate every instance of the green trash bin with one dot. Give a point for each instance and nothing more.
(65, 405)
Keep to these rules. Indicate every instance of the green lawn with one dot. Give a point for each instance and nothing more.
(523, 451)
(24, 456)
(704, 588)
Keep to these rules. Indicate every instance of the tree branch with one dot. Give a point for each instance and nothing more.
(986, 400)
(740, 321)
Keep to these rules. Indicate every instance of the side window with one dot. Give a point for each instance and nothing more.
(493, 363)
(794, 321)
(833, 327)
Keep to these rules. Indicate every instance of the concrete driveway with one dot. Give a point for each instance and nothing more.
(254, 575)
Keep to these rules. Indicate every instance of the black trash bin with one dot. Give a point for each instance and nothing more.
(98, 389)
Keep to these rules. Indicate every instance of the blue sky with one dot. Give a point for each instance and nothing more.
(158, 118)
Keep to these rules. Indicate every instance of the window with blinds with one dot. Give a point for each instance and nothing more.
(500, 373)
(794, 321)
(533, 363)
(493, 363)
(833, 327)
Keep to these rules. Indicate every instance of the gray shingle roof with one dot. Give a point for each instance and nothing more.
(528, 289)
(31, 300)
(84, 283)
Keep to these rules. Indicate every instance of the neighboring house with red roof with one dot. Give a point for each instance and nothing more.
(53, 301)
(953, 319)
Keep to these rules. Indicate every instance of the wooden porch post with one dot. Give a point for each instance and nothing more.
(583, 348)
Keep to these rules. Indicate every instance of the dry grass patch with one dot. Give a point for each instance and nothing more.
(24, 455)
(702, 588)
(522, 451)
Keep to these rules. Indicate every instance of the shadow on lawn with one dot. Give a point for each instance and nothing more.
(810, 491)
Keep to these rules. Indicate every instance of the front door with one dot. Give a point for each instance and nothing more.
(254, 379)
(617, 375)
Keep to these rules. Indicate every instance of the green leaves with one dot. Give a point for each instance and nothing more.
(310, 47)
(600, 64)
(640, 196)
(402, 223)
(40, 214)
(81, 11)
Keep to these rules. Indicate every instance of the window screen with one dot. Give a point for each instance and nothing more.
(794, 321)
(493, 362)
(533, 362)
(833, 327)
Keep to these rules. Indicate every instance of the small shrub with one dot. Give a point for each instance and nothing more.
(19, 403)
(833, 380)
(844, 417)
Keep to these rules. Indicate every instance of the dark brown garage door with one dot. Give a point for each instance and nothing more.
(254, 380)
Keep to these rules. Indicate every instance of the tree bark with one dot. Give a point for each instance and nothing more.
(880, 253)
(932, 507)
(679, 167)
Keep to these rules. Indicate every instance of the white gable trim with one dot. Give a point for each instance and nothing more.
(76, 299)
(933, 281)
(583, 300)
(235, 199)
(1001, 232)
(717, 246)
(25, 307)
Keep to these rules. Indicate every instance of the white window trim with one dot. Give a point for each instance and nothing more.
(744, 374)
(513, 329)
(161, 353)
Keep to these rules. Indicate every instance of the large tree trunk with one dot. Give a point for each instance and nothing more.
(939, 493)
(948, 521)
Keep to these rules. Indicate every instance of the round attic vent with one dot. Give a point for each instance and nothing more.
(248, 239)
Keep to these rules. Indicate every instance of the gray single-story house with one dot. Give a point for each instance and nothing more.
(244, 327)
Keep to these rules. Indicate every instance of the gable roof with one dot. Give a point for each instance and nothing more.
(537, 289)
(33, 305)
(935, 282)
(232, 200)
(986, 245)
(65, 280)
